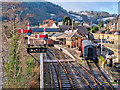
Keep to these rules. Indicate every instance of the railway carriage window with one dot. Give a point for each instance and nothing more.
(90, 52)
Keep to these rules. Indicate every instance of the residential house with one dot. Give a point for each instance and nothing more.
(114, 25)
(49, 23)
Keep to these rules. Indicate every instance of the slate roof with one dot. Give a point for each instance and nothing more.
(56, 34)
(62, 35)
(65, 27)
(47, 30)
(81, 29)
(69, 34)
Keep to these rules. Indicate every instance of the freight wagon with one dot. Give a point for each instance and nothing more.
(89, 50)
(49, 42)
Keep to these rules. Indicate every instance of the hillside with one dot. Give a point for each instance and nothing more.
(35, 12)
(95, 16)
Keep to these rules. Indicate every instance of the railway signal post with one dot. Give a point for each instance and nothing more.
(44, 39)
(29, 33)
(40, 50)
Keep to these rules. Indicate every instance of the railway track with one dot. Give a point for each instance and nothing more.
(62, 78)
(84, 76)
(76, 75)
(93, 69)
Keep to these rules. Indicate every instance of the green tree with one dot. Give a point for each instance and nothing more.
(89, 29)
(65, 20)
(100, 25)
(13, 67)
(5, 26)
(95, 29)
(30, 65)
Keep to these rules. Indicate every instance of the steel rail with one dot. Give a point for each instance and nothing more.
(80, 75)
(90, 74)
(70, 79)
(58, 74)
(103, 76)
(66, 71)
(78, 72)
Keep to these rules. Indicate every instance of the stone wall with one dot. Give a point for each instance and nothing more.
(108, 37)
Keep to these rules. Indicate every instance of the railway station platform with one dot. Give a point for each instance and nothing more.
(73, 51)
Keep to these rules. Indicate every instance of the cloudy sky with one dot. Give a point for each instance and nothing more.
(110, 6)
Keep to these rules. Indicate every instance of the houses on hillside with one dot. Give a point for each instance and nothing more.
(49, 23)
(114, 25)
(70, 35)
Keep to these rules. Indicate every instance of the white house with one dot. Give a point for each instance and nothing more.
(54, 25)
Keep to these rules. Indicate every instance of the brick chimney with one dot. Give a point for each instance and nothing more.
(65, 23)
(68, 25)
(73, 26)
(118, 24)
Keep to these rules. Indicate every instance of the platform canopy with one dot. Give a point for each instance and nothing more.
(76, 35)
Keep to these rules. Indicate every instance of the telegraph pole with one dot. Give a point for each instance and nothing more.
(91, 25)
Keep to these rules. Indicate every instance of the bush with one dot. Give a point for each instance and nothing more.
(30, 65)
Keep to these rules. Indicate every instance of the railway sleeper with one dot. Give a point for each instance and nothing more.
(56, 81)
(66, 86)
(65, 82)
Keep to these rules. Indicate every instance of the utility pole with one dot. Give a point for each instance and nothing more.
(91, 26)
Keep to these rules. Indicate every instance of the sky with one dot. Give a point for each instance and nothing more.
(110, 6)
